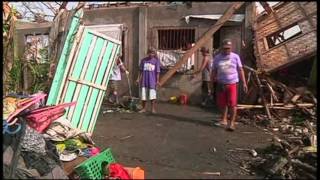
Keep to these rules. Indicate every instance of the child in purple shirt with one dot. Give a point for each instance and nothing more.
(148, 79)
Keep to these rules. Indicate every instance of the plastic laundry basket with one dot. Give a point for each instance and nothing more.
(93, 168)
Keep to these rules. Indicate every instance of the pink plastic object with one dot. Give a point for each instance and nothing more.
(117, 171)
(40, 119)
(26, 105)
(94, 151)
(183, 99)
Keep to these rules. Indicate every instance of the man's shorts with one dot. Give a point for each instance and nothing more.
(113, 85)
(227, 95)
(148, 94)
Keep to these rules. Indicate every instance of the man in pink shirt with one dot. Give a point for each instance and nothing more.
(226, 68)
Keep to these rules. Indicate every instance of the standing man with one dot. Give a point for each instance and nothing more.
(226, 69)
(148, 79)
(115, 77)
(205, 70)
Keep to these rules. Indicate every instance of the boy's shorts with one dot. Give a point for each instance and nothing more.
(148, 94)
(227, 95)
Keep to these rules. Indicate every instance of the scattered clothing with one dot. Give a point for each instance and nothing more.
(61, 130)
(117, 171)
(68, 157)
(33, 142)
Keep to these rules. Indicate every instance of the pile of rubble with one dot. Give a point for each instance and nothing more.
(289, 114)
(289, 157)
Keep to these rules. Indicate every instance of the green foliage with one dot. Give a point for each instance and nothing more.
(40, 76)
(38, 71)
(298, 118)
(15, 76)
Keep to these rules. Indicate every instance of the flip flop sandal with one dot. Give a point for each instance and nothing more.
(68, 157)
(219, 124)
(230, 129)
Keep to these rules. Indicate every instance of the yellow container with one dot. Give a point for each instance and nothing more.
(173, 99)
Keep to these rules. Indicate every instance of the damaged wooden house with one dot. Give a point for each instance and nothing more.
(286, 40)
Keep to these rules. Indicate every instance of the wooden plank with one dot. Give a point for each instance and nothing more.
(84, 82)
(72, 66)
(75, 88)
(276, 106)
(78, 66)
(101, 94)
(305, 14)
(104, 80)
(104, 36)
(53, 94)
(226, 16)
(88, 77)
(262, 96)
(94, 85)
(266, 7)
(70, 62)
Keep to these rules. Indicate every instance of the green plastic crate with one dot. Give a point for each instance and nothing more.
(93, 168)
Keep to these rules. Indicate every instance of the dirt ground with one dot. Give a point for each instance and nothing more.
(177, 142)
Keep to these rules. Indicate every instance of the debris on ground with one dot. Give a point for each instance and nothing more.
(289, 114)
(39, 142)
(127, 105)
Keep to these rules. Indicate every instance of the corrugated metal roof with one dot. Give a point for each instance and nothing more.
(235, 18)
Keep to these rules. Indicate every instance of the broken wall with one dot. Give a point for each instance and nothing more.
(23, 30)
(299, 47)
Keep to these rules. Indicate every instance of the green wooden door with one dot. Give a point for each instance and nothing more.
(86, 77)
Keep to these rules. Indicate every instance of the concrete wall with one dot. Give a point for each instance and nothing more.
(23, 29)
(151, 18)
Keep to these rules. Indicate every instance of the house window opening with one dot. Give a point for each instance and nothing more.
(283, 35)
(37, 48)
(174, 39)
(172, 45)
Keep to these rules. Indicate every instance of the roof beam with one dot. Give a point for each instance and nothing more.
(266, 7)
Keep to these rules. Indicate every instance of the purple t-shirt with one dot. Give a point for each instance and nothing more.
(227, 67)
(149, 67)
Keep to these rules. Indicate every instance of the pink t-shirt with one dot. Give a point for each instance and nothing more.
(227, 68)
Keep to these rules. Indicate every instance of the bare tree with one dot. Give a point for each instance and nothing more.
(38, 11)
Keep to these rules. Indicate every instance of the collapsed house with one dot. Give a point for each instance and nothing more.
(286, 35)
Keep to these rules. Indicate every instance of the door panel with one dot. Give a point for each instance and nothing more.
(86, 77)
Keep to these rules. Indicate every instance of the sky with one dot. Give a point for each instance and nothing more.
(21, 8)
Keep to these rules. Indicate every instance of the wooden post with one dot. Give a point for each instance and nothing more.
(262, 96)
(226, 16)
(266, 7)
